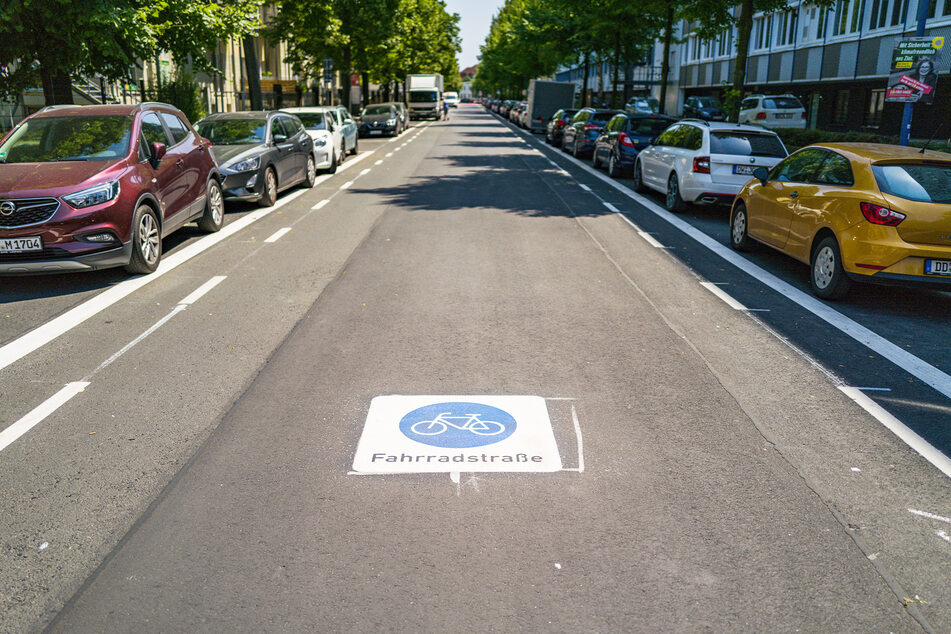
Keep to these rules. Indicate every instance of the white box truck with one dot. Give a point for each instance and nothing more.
(545, 98)
(424, 96)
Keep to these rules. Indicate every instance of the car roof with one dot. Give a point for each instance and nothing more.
(876, 152)
(253, 115)
(103, 109)
(729, 127)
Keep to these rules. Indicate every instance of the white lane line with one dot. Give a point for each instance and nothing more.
(610, 207)
(943, 536)
(346, 185)
(40, 412)
(388, 155)
(352, 162)
(577, 425)
(728, 300)
(321, 204)
(584, 187)
(161, 322)
(909, 437)
(39, 337)
(931, 516)
(651, 240)
(202, 290)
(277, 235)
(364, 171)
(379, 162)
(874, 389)
(915, 366)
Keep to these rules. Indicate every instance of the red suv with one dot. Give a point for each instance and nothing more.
(93, 187)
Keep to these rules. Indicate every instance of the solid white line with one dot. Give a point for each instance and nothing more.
(346, 185)
(732, 303)
(200, 292)
(321, 204)
(584, 187)
(915, 366)
(39, 337)
(40, 412)
(610, 206)
(931, 516)
(909, 437)
(651, 240)
(277, 235)
(874, 389)
(574, 419)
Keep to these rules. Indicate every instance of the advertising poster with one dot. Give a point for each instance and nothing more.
(914, 72)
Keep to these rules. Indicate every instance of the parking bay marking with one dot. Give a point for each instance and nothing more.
(450, 434)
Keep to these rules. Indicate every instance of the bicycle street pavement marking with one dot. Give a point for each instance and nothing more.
(450, 434)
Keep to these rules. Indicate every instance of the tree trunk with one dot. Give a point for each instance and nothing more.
(253, 70)
(365, 87)
(57, 87)
(744, 28)
(587, 74)
(348, 68)
(665, 65)
(617, 68)
(600, 81)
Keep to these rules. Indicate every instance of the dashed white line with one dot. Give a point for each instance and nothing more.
(364, 171)
(346, 185)
(321, 204)
(584, 187)
(379, 162)
(40, 412)
(388, 155)
(277, 235)
(930, 516)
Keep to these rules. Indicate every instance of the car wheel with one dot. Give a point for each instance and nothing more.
(146, 241)
(829, 280)
(613, 170)
(673, 200)
(739, 228)
(356, 143)
(310, 177)
(564, 144)
(214, 215)
(574, 148)
(342, 155)
(333, 163)
(269, 195)
(638, 177)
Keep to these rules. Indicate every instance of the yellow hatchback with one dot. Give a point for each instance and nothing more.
(853, 212)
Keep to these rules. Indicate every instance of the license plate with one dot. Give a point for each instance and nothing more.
(938, 267)
(372, 132)
(783, 115)
(21, 245)
(743, 169)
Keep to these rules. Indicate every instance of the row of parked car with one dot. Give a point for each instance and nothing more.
(853, 212)
(92, 187)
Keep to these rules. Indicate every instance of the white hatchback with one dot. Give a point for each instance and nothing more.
(774, 111)
(321, 124)
(707, 162)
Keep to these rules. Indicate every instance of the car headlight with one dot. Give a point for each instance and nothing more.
(93, 195)
(246, 165)
(391, 122)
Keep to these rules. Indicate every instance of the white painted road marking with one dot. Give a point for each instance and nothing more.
(906, 434)
(610, 206)
(346, 185)
(277, 235)
(379, 162)
(651, 240)
(202, 290)
(931, 516)
(584, 187)
(364, 171)
(44, 409)
(732, 303)
(321, 204)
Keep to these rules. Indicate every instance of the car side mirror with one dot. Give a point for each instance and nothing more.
(762, 174)
(158, 151)
(280, 138)
(653, 141)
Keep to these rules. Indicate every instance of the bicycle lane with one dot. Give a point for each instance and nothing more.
(478, 280)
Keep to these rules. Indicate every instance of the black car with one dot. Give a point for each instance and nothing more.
(623, 137)
(706, 108)
(259, 153)
(556, 125)
(581, 133)
(380, 119)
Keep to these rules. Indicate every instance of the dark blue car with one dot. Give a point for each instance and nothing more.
(623, 137)
(580, 134)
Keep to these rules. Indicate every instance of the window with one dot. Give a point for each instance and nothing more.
(876, 104)
(879, 15)
(848, 14)
(671, 135)
(749, 104)
(899, 12)
(835, 170)
(840, 111)
(152, 129)
(746, 144)
(921, 182)
(801, 167)
(693, 140)
(782, 22)
(175, 126)
(291, 125)
(823, 19)
(278, 128)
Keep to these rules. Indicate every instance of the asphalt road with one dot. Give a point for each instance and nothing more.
(197, 471)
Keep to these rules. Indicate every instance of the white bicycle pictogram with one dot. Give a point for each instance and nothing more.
(471, 422)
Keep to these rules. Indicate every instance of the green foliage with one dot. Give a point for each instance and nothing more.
(183, 93)
(75, 37)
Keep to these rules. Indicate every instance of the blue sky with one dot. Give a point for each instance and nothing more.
(475, 18)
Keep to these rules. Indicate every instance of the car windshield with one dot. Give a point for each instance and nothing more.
(422, 96)
(233, 131)
(312, 120)
(647, 127)
(746, 144)
(782, 103)
(601, 117)
(73, 138)
(930, 183)
(372, 110)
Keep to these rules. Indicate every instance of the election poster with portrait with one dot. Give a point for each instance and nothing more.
(913, 76)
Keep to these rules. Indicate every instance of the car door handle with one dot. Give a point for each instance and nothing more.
(794, 194)
(180, 162)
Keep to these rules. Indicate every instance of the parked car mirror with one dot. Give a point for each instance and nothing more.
(762, 174)
(653, 141)
(280, 138)
(158, 151)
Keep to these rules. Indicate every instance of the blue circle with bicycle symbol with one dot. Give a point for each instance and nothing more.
(458, 425)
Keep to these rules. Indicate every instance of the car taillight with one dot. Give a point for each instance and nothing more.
(878, 215)
(804, 115)
(590, 126)
(625, 140)
(701, 164)
(559, 124)
(760, 115)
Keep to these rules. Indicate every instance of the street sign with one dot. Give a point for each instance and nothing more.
(913, 76)
(446, 434)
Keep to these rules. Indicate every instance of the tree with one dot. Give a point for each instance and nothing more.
(48, 43)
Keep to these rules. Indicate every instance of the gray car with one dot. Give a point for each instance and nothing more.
(380, 119)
